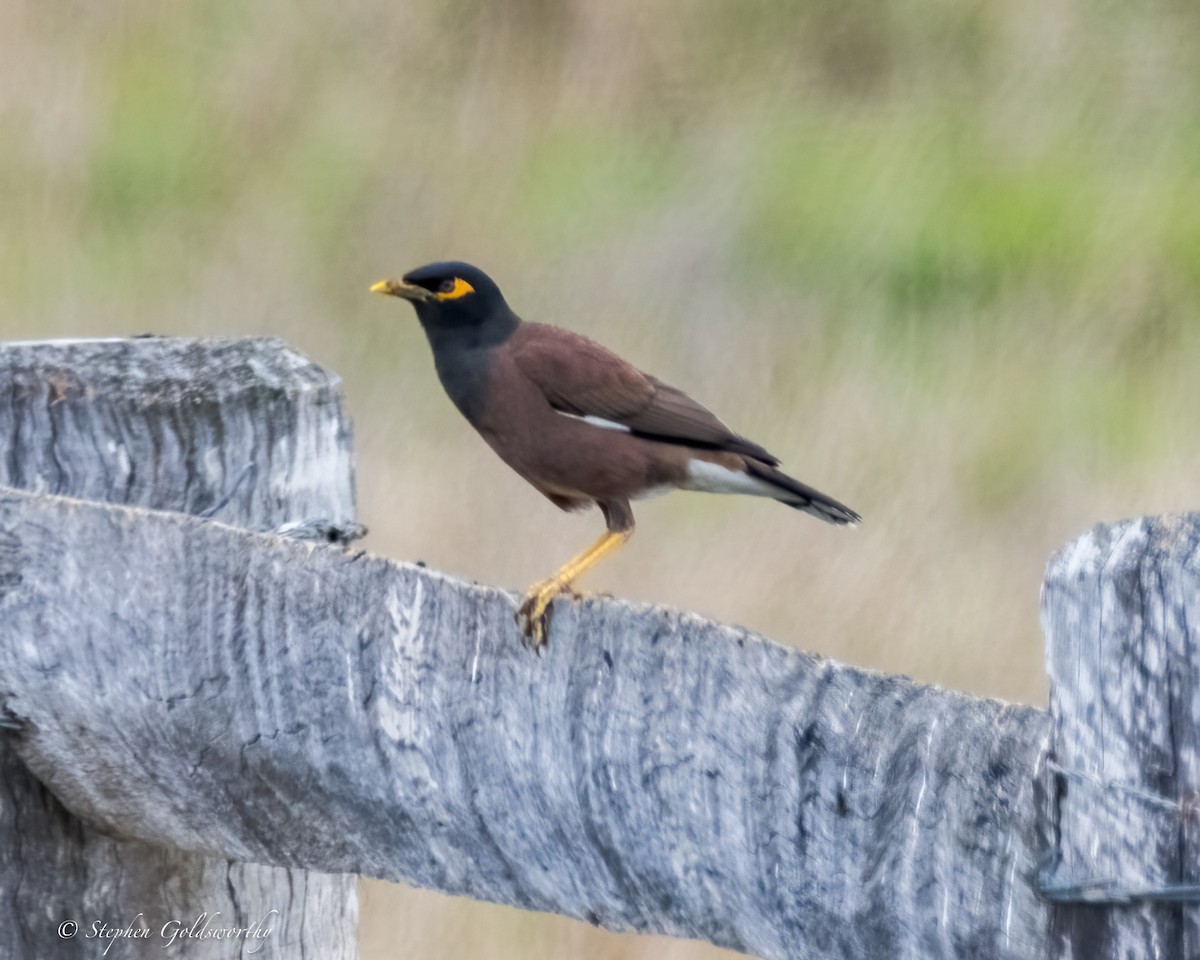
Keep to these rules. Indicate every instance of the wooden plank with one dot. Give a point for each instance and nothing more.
(248, 430)
(250, 697)
(1120, 607)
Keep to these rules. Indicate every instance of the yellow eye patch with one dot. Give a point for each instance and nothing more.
(460, 289)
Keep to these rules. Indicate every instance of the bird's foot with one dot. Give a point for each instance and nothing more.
(533, 613)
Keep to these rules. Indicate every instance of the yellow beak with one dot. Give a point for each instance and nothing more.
(398, 288)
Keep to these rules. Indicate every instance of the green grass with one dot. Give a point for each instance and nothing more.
(944, 257)
(577, 184)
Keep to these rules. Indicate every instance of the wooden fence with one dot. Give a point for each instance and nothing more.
(212, 703)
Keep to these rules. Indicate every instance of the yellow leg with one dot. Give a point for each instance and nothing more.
(531, 614)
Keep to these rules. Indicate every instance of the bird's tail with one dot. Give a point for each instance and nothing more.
(801, 496)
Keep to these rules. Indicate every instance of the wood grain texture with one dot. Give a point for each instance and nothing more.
(249, 428)
(1120, 609)
(250, 697)
(251, 431)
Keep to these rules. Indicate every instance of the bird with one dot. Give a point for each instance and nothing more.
(578, 422)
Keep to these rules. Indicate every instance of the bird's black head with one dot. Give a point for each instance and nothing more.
(453, 296)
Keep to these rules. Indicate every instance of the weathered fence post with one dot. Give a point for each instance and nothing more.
(1121, 610)
(248, 432)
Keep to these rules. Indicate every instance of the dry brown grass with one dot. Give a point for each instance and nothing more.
(942, 258)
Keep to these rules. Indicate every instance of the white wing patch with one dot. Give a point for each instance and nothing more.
(713, 478)
(596, 421)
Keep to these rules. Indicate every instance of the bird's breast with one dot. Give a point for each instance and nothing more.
(572, 457)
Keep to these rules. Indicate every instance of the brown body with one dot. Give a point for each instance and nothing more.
(579, 423)
(548, 446)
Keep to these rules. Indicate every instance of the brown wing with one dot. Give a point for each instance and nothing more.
(582, 378)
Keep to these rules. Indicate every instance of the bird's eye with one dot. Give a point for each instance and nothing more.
(452, 288)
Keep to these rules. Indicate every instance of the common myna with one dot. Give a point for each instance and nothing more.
(578, 422)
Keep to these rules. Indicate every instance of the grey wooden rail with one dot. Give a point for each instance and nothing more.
(218, 694)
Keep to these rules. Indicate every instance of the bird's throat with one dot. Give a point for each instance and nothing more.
(465, 373)
(464, 354)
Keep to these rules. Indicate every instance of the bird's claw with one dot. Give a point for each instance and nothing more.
(534, 629)
(533, 614)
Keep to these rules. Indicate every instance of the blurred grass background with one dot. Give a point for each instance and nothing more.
(943, 258)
